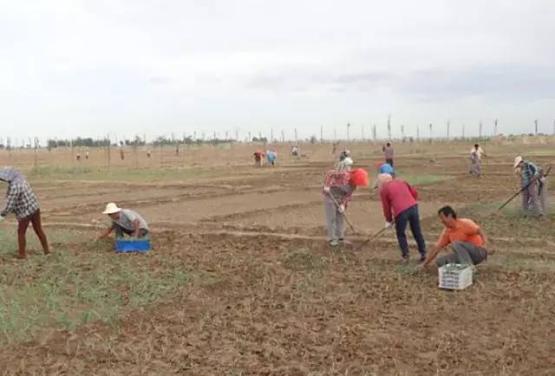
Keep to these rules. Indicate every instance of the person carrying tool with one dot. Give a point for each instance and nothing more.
(388, 153)
(22, 201)
(465, 237)
(400, 208)
(339, 185)
(529, 178)
(124, 221)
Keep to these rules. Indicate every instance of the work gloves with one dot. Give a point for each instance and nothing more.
(326, 189)
(341, 209)
(388, 224)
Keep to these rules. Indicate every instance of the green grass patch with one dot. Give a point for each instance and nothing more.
(424, 179)
(73, 287)
(122, 173)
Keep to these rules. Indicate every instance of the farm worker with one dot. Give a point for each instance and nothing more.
(271, 156)
(258, 158)
(400, 208)
(22, 201)
(339, 185)
(465, 238)
(125, 221)
(388, 153)
(87, 155)
(295, 151)
(344, 154)
(529, 176)
(476, 160)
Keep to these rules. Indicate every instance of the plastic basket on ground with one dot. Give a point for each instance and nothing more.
(128, 245)
(455, 276)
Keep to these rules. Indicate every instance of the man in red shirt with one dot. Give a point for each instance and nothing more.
(399, 205)
(465, 237)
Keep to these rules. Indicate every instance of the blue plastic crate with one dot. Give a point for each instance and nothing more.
(132, 245)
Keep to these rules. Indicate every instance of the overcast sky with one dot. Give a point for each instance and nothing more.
(126, 67)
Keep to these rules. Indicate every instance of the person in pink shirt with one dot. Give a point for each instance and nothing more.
(400, 207)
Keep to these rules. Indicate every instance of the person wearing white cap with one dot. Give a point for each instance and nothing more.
(124, 221)
(529, 175)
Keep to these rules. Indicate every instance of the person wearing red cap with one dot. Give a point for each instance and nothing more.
(339, 185)
(400, 207)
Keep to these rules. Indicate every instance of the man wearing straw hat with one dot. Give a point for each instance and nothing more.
(124, 221)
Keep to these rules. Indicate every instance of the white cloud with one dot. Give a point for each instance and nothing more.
(85, 68)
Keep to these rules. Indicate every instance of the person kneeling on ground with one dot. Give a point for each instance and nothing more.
(125, 221)
(465, 237)
(22, 201)
(339, 185)
(400, 208)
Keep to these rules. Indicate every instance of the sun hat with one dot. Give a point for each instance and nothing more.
(517, 161)
(359, 177)
(111, 208)
(386, 168)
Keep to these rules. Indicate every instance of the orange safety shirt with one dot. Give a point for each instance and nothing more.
(465, 230)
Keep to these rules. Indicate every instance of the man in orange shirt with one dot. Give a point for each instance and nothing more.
(465, 237)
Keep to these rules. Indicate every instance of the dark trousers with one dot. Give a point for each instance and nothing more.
(120, 231)
(409, 216)
(389, 161)
(463, 253)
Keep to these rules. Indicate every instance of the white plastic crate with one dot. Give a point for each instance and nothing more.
(455, 276)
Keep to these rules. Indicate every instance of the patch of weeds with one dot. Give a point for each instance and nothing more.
(302, 260)
(421, 180)
(75, 285)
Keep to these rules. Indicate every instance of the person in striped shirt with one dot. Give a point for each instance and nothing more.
(529, 175)
(22, 201)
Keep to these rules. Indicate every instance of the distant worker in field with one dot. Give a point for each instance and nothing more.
(121, 153)
(148, 154)
(476, 160)
(78, 157)
(339, 185)
(465, 237)
(334, 146)
(295, 151)
(22, 201)
(271, 157)
(87, 155)
(258, 155)
(345, 154)
(529, 178)
(388, 153)
(124, 222)
(400, 208)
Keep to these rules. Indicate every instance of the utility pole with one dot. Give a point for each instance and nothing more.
(448, 129)
(495, 128)
(271, 135)
(282, 136)
(463, 131)
(389, 127)
(348, 136)
(362, 132)
(335, 134)
(375, 133)
(430, 132)
(536, 127)
(480, 131)
(321, 134)
(418, 132)
(403, 131)
(296, 136)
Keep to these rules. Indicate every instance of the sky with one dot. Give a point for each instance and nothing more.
(122, 68)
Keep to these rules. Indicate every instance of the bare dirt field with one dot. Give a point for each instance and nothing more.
(241, 280)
